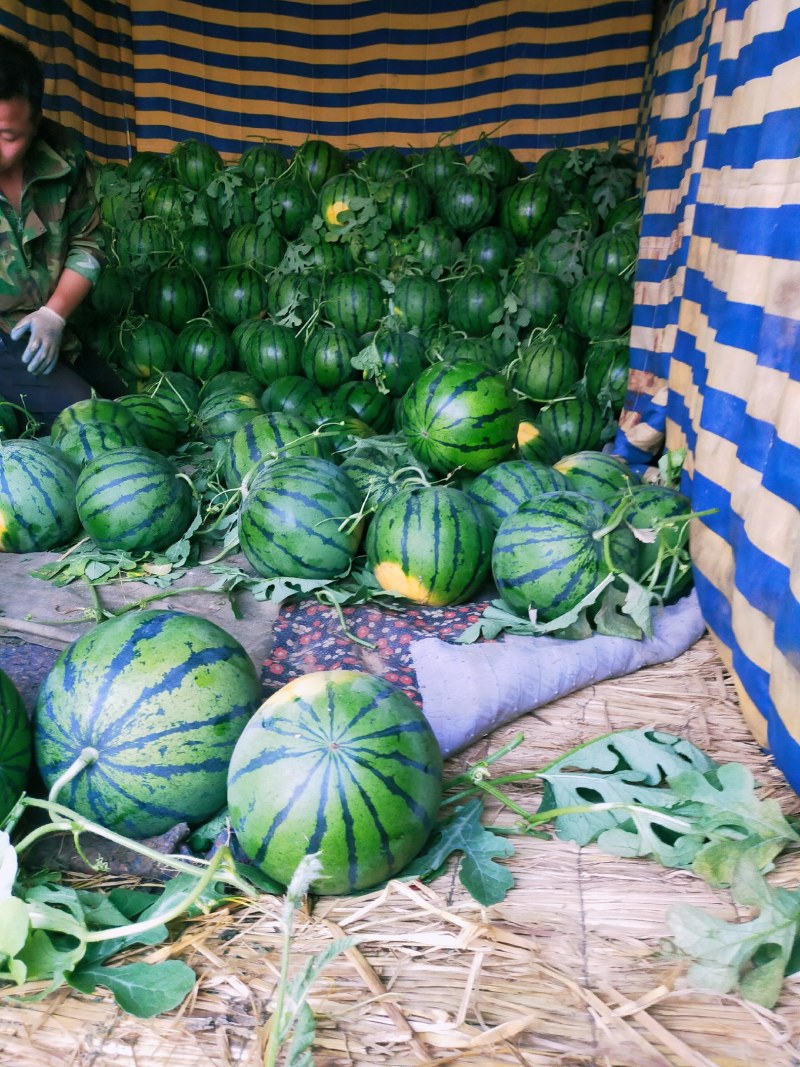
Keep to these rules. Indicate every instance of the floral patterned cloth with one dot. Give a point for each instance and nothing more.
(309, 637)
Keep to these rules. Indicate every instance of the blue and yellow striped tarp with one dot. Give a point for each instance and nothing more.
(139, 75)
(716, 338)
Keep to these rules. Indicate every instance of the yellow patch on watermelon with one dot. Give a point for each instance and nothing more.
(564, 465)
(334, 210)
(306, 687)
(527, 432)
(393, 579)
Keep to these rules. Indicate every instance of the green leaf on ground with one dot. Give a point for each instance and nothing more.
(141, 989)
(463, 832)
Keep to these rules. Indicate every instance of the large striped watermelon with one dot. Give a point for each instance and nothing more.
(162, 697)
(269, 351)
(339, 764)
(289, 394)
(222, 413)
(545, 556)
(133, 500)
(92, 411)
(545, 368)
(15, 745)
(317, 161)
(291, 519)
(37, 497)
(475, 302)
(418, 301)
(459, 415)
(503, 488)
(571, 425)
(408, 203)
(466, 201)
(430, 544)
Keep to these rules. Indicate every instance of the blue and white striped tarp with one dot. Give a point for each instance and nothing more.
(715, 347)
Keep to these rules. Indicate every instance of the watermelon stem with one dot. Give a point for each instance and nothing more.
(87, 757)
(72, 821)
(324, 596)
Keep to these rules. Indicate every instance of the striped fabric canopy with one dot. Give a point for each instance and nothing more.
(716, 338)
(139, 75)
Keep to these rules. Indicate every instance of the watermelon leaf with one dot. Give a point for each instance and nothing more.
(480, 875)
(141, 989)
(750, 957)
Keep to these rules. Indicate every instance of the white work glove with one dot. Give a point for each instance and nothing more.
(46, 328)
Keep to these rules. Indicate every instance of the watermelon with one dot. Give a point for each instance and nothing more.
(86, 442)
(430, 544)
(336, 198)
(113, 292)
(664, 513)
(290, 520)
(293, 298)
(545, 369)
(262, 162)
(202, 248)
(154, 423)
(475, 301)
(269, 351)
(93, 410)
(342, 765)
(15, 745)
(237, 294)
(144, 244)
(379, 474)
(231, 381)
(546, 559)
(614, 252)
(255, 246)
(543, 296)
(605, 372)
(596, 474)
(162, 697)
(382, 162)
(172, 296)
(503, 488)
(573, 425)
(37, 497)
(459, 415)
(195, 163)
(145, 347)
(466, 201)
(402, 358)
(317, 161)
(354, 301)
(145, 166)
(528, 210)
(165, 198)
(223, 412)
(418, 301)
(434, 246)
(133, 500)
(408, 204)
(365, 400)
(289, 394)
(491, 249)
(440, 164)
(327, 356)
(270, 436)
(236, 208)
(204, 349)
(600, 306)
(292, 206)
(496, 162)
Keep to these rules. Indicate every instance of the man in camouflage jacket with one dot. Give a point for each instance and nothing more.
(49, 257)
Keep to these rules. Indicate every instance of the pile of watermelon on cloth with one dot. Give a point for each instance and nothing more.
(383, 383)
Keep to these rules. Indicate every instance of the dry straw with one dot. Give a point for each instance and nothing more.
(570, 970)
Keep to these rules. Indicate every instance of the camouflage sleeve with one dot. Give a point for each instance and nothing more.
(81, 218)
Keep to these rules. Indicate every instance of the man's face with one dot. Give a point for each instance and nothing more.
(17, 131)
